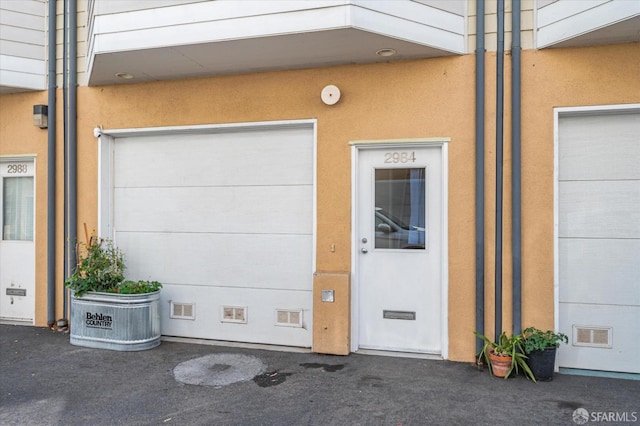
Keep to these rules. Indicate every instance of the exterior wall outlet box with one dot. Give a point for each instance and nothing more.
(327, 295)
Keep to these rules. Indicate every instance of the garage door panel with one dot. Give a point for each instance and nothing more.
(260, 306)
(226, 260)
(599, 238)
(596, 271)
(248, 210)
(625, 337)
(224, 217)
(602, 209)
(596, 148)
(253, 158)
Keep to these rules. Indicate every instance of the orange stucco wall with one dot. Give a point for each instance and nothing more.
(413, 99)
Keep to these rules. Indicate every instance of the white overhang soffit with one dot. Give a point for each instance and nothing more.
(568, 23)
(227, 37)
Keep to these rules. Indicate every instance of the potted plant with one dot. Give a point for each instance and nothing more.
(540, 347)
(108, 311)
(504, 356)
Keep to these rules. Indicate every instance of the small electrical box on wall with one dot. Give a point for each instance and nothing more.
(328, 295)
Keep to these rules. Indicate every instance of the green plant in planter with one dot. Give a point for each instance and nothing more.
(510, 347)
(540, 347)
(535, 339)
(138, 287)
(101, 268)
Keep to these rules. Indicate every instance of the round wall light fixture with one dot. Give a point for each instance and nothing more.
(124, 75)
(330, 95)
(386, 52)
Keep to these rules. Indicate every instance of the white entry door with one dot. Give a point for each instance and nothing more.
(17, 253)
(399, 233)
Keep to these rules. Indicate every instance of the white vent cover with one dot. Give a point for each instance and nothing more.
(598, 337)
(183, 310)
(289, 317)
(236, 314)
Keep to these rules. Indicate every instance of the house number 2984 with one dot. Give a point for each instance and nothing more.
(400, 157)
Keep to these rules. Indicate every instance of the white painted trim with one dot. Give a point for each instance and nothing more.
(106, 145)
(399, 142)
(260, 346)
(556, 223)
(355, 264)
(444, 246)
(207, 128)
(356, 146)
(557, 114)
(19, 157)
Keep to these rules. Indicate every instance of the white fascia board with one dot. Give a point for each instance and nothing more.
(176, 26)
(222, 30)
(24, 65)
(202, 12)
(403, 29)
(562, 10)
(22, 80)
(577, 20)
(416, 12)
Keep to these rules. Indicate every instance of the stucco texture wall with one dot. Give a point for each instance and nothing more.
(19, 137)
(413, 99)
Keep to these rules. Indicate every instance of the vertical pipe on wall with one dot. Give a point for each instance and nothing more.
(516, 168)
(51, 169)
(65, 138)
(499, 141)
(73, 144)
(480, 97)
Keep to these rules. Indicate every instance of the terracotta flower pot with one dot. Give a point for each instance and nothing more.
(500, 365)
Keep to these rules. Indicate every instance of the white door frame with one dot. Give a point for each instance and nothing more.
(557, 114)
(356, 147)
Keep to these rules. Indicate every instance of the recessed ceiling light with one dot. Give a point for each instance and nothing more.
(124, 75)
(386, 52)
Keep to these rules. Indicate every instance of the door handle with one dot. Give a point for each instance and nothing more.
(364, 250)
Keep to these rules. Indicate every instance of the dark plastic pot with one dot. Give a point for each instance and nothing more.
(542, 363)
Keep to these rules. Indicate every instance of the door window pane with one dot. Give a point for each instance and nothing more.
(17, 208)
(400, 220)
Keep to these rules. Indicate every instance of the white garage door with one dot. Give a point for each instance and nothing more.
(599, 240)
(225, 221)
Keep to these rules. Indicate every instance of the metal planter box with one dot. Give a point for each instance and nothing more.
(120, 322)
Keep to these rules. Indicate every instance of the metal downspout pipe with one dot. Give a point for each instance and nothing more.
(480, 98)
(516, 187)
(51, 169)
(499, 171)
(73, 140)
(65, 140)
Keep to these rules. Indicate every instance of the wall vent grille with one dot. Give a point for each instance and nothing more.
(183, 311)
(289, 317)
(598, 337)
(235, 314)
